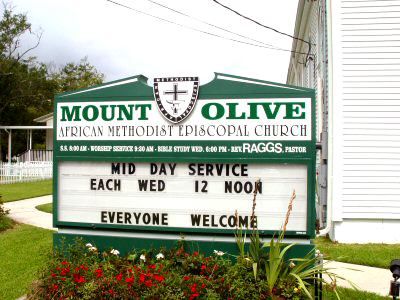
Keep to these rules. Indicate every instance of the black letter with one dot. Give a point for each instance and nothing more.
(115, 168)
(161, 185)
(131, 168)
(164, 219)
(228, 187)
(142, 185)
(153, 169)
(92, 184)
(195, 220)
(192, 169)
(103, 217)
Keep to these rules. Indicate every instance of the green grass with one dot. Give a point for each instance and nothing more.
(24, 190)
(23, 251)
(47, 207)
(374, 255)
(350, 294)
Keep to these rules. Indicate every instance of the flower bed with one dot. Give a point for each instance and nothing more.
(263, 273)
(164, 274)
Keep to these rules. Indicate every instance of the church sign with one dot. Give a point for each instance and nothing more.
(133, 160)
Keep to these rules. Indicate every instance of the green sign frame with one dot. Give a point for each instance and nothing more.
(223, 87)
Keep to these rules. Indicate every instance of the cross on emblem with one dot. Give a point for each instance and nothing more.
(175, 102)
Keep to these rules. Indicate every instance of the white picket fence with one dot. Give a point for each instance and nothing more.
(24, 172)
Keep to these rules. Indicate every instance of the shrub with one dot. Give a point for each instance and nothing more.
(5, 222)
(81, 272)
(84, 273)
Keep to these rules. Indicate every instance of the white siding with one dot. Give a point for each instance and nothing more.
(366, 97)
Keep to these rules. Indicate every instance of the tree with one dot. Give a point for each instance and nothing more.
(27, 87)
(76, 76)
(23, 81)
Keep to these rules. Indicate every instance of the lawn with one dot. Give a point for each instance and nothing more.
(24, 190)
(47, 207)
(374, 255)
(24, 250)
(348, 294)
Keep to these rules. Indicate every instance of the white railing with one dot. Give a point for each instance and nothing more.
(23, 172)
(35, 155)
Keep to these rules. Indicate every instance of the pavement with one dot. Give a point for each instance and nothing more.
(375, 280)
(24, 211)
(370, 279)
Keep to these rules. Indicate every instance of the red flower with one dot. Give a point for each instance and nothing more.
(148, 283)
(119, 276)
(203, 285)
(130, 279)
(63, 279)
(99, 273)
(195, 295)
(65, 262)
(186, 278)
(53, 275)
(203, 267)
(193, 290)
(81, 279)
(55, 286)
(77, 269)
(110, 291)
(195, 253)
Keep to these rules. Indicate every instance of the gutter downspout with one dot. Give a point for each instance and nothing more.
(328, 227)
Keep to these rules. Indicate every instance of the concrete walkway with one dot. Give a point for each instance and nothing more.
(375, 280)
(24, 211)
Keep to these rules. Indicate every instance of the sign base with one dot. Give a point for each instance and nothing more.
(126, 245)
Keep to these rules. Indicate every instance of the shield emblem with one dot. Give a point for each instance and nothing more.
(176, 96)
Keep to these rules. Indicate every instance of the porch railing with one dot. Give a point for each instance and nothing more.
(35, 155)
(24, 172)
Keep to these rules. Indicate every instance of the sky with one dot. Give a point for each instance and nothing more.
(121, 42)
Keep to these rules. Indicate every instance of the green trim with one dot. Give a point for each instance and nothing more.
(126, 245)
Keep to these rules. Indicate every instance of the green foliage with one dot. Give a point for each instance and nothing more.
(257, 252)
(240, 239)
(12, 27)
(79, 271)
(27, 87)
(280, 277)
(23, 81)
(5, 222)
(76, 76)
(275, 269)
(243, 283)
